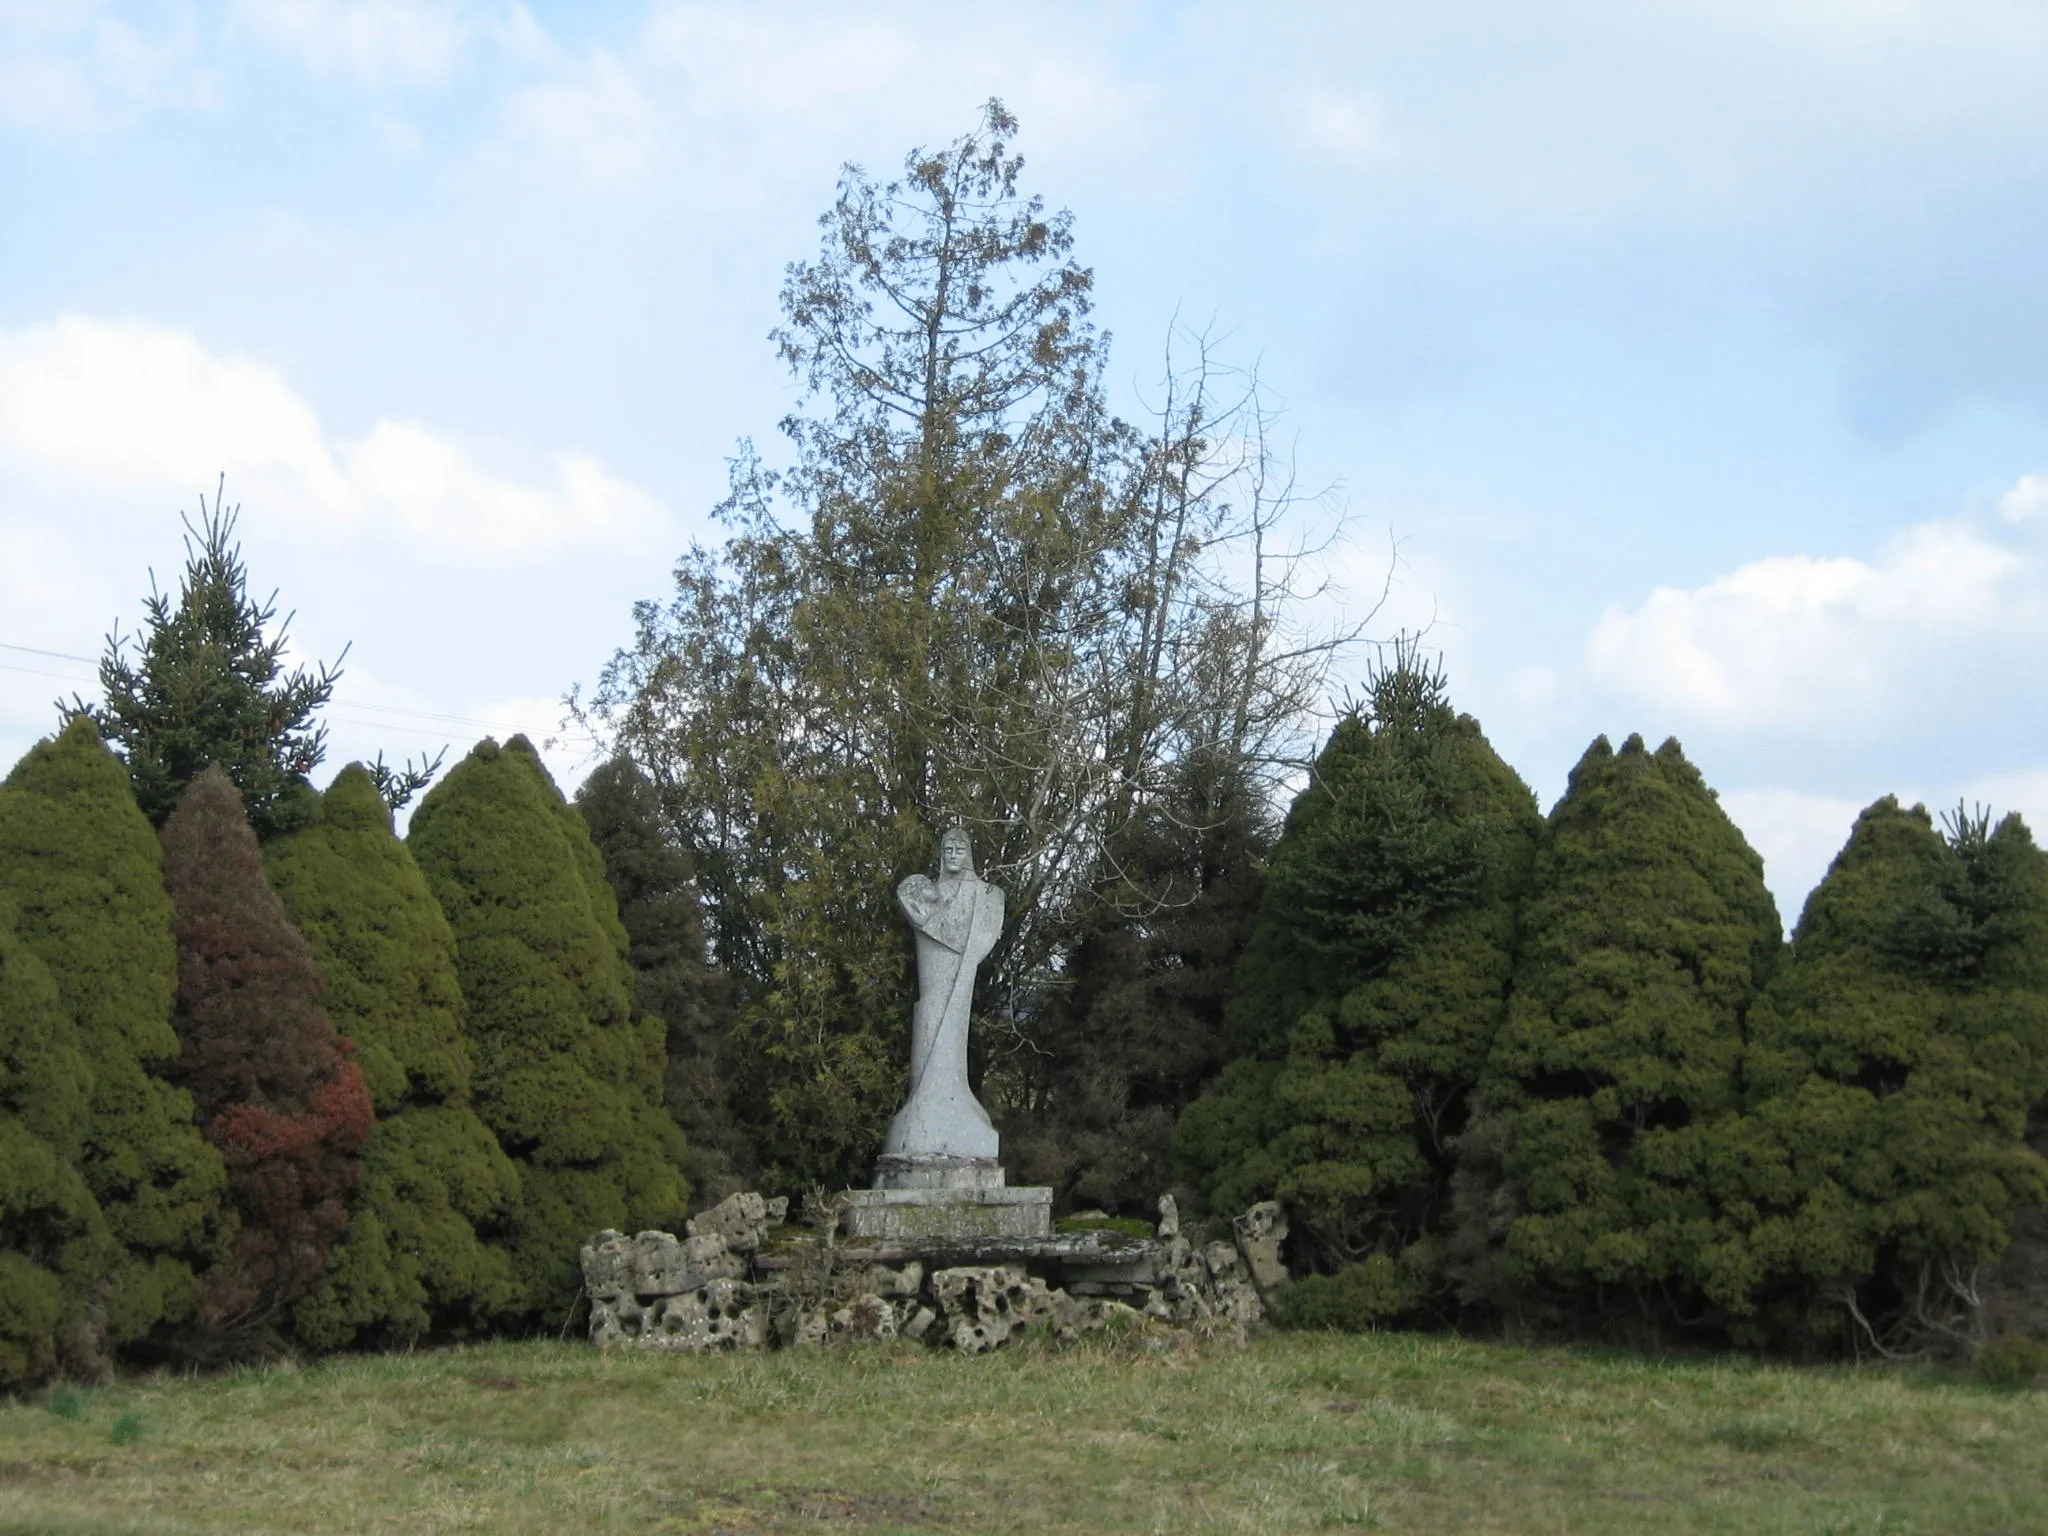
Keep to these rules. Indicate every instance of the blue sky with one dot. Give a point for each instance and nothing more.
(1695, 355)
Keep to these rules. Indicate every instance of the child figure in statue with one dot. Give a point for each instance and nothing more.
(958, 918)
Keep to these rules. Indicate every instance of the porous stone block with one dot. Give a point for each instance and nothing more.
(1169, 1217)
(740, 1222)
(1260, 1231)
(665, 1265)
(719, 1314)
(955, 1215)
(608, 1265)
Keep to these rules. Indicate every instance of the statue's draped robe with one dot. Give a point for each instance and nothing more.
(958, 919)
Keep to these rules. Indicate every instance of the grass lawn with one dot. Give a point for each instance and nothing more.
(1296, 1433)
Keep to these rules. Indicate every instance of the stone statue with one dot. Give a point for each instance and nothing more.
(958, 918)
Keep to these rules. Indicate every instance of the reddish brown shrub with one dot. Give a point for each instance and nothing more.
(272, 1080)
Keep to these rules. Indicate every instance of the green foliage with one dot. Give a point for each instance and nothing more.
(566, 1076)
(1646, 936)
(1892, 1069)
(1096, 1221)
(271, 1079)
(1119, 1051)
(673, 980)
(418, 1253)
(2012, 1362)
(210, 687)
(85, 873)
(1375, 1292)
(56, 1256)
(970, 594)
(1374, 983)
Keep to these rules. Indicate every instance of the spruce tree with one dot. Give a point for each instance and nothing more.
(565, 1074)
(86, 875)
(1645, 939)
(1893, 1067)
(57, 1259)
(420, 1253)
(210, 687)
(650, 874)
(1373, 986)
(272, 1081)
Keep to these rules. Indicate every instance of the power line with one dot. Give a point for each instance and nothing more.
(62, 677)
(37, 651)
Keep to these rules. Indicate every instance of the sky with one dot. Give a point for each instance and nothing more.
(1688, 362)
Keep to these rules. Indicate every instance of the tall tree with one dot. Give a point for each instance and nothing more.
(86, 875)
(424, 1249)
(990, 601)
(565, 1074)
(1894, 1063)
(673, 980)
(273, 1083)
(1646, 937)
(1374, 985)
(210, 687)
(57, 1259)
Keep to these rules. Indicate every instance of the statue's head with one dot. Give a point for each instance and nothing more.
(956, 853)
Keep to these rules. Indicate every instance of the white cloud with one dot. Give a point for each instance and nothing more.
(77, 71)
(590, 113)
(2027, 499)
(371, 42)
(1345, 127)
(1798, 836)
(96, 405)
(1800, 641)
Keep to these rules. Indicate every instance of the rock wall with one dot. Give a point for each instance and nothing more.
(716, 1288)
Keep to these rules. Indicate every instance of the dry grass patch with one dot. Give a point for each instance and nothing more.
(1296, 1433)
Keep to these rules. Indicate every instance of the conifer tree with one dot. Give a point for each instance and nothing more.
(420, 1251)
(57, 1258)
(210, 687)
(565, 1074)
(1373, 986)
(272, 1081)
(86, 875)
(1129, 1040)
(673, 980)
(1893, 1066)
(1645, 939)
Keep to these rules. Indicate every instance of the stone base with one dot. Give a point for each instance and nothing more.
(946, 1215)
(927, 1170)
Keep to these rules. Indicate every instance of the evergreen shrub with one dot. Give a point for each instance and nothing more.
(651, 876)
(1647, 934)
(56, 1255)
(1892, 1071)
(419, 1254)
(85, 871)
(565, 1074)
(271, 1079)
(1373, 985)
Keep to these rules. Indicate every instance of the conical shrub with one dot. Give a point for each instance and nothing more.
(1373, 986)
(271, 1079)
(419, 1253)
(565, 1075)
(1647, 934)
(1893, 1067)
(57, 1259)
(85, 871)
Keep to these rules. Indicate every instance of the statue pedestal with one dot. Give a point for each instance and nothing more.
(955, 1199)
